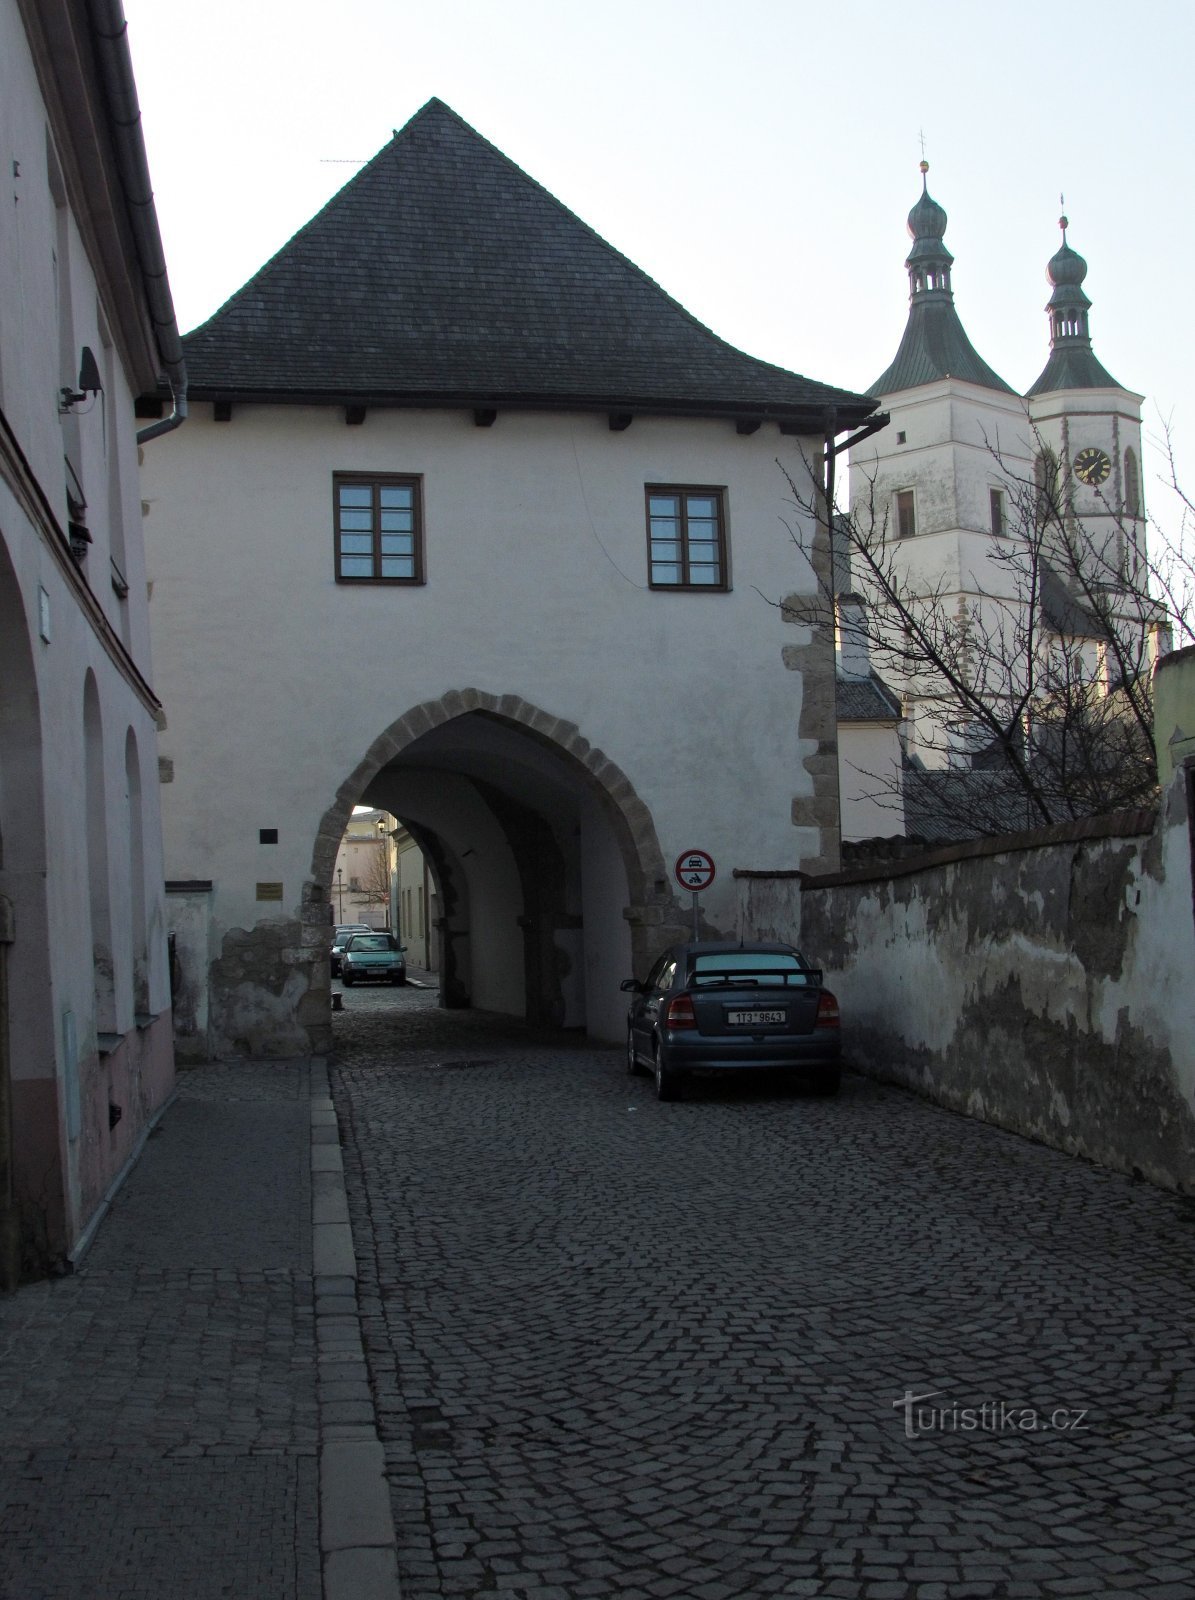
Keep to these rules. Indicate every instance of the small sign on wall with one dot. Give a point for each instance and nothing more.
(269, 891)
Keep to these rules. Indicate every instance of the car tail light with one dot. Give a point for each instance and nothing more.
(827, 1011)
(680, 1013)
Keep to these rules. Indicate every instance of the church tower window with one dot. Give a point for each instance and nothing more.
(1132, 484)
(996, 501)
(906, 514)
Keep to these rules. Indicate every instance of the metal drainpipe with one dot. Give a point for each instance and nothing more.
(110, 32)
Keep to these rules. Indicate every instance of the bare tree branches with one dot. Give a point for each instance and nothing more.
(1025, 670)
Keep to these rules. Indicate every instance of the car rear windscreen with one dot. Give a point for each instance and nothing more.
(776, 965)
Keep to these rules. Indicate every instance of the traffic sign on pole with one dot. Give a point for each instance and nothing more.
(695, 870)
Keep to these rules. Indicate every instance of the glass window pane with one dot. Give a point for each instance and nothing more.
(703, 574)
(398, 567)
(356, 494)
(396, 520)
(700, 528)
(665, 528)
(398, 544)
(663, 573)
(356, 567)
(356, 544)
(664, 505)
(397, 494)
(665, 550)
(701, 506)
(356, 519)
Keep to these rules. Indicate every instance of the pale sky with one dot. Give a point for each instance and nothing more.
(759, 162)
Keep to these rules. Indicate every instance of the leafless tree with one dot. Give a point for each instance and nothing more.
(1028, 680)
(374, 881)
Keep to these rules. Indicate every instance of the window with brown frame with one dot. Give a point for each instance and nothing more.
(996, 501)
(906, 514)
(686, 537)
(379, 528)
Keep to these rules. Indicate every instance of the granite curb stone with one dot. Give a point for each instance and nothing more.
(357, 1537)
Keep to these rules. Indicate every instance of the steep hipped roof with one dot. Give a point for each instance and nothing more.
(935, 343)
(442, 274)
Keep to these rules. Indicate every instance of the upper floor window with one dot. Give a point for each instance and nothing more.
(379, 528)
(906, 514)
(686, 535)
(1045, 477)
(1132, 483)
(996, 500)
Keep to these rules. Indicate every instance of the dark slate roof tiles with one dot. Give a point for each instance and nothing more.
(443, 274)
(865, 700)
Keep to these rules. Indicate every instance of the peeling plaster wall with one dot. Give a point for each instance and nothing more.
(1042, 986)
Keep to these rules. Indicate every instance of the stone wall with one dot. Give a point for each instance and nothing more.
(1041, 982)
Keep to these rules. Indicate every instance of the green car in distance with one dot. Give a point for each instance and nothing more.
(373, 956)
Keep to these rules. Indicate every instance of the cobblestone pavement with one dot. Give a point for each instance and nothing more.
(158, 1409)
(627, 1349)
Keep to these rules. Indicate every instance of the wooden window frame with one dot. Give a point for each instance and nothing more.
(714, 492)
(909, 496)
(376, 481)
(999, 518)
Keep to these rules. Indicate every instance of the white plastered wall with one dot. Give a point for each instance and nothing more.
(277, 679)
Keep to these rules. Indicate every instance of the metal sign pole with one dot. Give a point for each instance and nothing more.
(696, 932)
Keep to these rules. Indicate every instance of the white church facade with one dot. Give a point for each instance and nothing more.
(473, 524)
(951, 483)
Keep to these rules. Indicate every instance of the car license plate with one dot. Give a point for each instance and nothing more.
(755, 1019)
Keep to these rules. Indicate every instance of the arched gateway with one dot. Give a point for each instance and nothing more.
(547, 863)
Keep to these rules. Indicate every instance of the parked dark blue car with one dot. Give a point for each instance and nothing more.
(726, 1007)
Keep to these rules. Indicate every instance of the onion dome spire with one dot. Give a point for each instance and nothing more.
(929, 262)
(935, 344)
(1072, 363)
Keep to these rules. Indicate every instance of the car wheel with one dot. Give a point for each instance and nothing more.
(633, 1066)
(667, 1082)
(347, 979)
(828, 1080)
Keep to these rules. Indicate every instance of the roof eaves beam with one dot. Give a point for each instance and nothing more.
(620, 421)
(872, 425)
(484, 416)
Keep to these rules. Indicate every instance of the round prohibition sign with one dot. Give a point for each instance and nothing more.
(694, 869)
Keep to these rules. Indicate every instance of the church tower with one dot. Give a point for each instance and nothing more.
(935, 484)
(1087, 426)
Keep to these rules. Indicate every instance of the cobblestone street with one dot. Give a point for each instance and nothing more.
(627, 1349)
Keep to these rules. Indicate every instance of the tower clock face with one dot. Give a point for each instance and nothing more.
(1092, 466)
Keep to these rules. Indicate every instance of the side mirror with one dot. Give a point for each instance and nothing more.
(631, 986)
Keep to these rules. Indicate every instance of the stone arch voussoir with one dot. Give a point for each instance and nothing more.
(630, 818)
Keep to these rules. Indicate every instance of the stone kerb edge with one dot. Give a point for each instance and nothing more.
(356, 1526)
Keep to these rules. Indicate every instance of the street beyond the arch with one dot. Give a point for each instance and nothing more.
(754, 1343)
